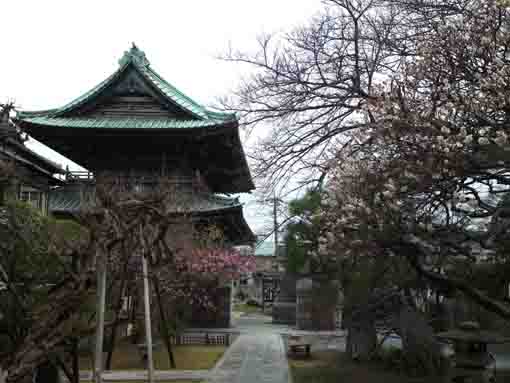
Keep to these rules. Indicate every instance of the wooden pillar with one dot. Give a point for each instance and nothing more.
(148, 333)
(100, 307)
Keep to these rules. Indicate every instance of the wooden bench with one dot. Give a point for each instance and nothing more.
(298, 345)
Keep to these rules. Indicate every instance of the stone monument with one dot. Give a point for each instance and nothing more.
(284, 306)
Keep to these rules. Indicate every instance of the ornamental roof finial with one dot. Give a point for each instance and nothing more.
(135, 55)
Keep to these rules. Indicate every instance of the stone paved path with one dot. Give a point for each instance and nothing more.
(258, 355)
(253, 358)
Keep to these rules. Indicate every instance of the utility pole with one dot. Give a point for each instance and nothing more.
(275, 223)
(101, 303)
(148, 330)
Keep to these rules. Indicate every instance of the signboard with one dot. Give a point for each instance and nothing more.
(270, 289)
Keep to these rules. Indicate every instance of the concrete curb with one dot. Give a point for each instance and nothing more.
(137, 375)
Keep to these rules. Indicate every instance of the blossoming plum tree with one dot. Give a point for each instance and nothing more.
(401, 108)
(425, 180)
(116, 225)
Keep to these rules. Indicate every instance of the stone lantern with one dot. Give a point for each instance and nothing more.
(471, 361)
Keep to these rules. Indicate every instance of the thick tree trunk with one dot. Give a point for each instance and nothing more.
(75, 360)
(361, 339)
(422, 353)
(47, 373)
(54, 326)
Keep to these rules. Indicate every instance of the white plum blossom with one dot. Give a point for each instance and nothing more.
(483, 141)
(501, 138)
(422, 159)
(387, 194)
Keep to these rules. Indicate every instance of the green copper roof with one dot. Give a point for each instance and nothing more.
(122, 123)
(68, 199)
(135, 102)
(136, 58)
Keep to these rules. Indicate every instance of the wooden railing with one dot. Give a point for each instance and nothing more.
(84, 175)
(87, 176)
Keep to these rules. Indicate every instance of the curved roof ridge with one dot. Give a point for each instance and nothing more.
(222, 115)
(136, 57)
(35, 113)
(223, 198)
(55, 112)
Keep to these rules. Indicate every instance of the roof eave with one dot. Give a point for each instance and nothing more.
(214, 127)
(50, 166)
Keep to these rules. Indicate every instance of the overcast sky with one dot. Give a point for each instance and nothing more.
(53, 51)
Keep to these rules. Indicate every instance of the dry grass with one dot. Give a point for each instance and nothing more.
(127, 357)
(247, 309)
(144, 381)
(334, 367)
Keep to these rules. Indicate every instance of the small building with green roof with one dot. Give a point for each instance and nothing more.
(33, 175)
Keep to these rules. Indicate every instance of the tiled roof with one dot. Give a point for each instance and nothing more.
(136, 58)
(174, 94)
(13, 146)
(122, 123)
(204, 202)
(69, 200)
